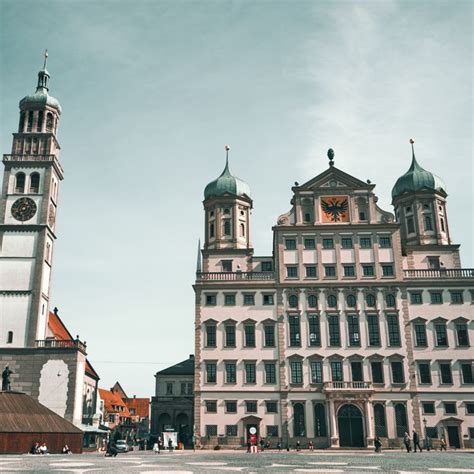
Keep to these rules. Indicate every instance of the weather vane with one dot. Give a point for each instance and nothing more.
(331, 157)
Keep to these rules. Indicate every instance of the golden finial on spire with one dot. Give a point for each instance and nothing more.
(45, 58)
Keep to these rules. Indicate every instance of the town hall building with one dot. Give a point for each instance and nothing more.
(358, 325)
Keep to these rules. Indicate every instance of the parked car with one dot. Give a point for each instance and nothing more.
(121, 446)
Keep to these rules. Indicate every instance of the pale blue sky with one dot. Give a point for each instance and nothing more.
(152, 91)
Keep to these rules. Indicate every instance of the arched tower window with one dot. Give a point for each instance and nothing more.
(298, 420)
(49, 122)
(312, 301)
(211, 230)
(39, 125)
(401, 420)
(34, 182)
(351, 301)
(242, 230)
(379, 420)
(320, 420)
(390, 300)
(30, 121)
(21, 125)
(293, 301)
(20, 182)
(227, 230)
(332, 301)
(370, 299)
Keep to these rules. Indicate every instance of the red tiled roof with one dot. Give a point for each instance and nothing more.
(112, 399)
(141, 405)
(58, 328)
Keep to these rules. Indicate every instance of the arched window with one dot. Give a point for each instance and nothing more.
(21, 125)
(312, 301)
(370, 299)
(211, 231)
(390, 300)
(379, 420)
(227, 228)
(442, 224)
(34, 182)
(298, 420)
(401, 420)
(10, 337)
(332, 301)
(30, 121)
(351, 301)
(20, 183)
(242, 230)
(319, 420)
(39, 125)
(293, 301)
(49, 122)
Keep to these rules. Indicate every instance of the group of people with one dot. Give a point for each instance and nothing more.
(43, 449)
(407, 441)
(158, 446)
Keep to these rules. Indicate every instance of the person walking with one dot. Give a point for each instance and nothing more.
(416, 441)
(378, 445)
(310, 446)
(442, 444)
(298, 446)
(156, 448)
(279, 446)
(407, 441)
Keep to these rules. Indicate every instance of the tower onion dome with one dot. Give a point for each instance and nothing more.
(417, 179)
(41, 97)
(227, 183)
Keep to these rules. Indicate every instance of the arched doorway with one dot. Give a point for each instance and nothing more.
(164, 423)
(351, 427)
(184, 429)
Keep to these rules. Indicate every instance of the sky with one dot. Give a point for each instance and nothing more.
(151, 91)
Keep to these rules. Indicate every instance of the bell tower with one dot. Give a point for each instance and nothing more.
(28, 208)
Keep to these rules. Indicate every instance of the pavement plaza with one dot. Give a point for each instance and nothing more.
(237, 461)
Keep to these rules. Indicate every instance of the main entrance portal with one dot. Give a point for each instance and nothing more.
(351, 427)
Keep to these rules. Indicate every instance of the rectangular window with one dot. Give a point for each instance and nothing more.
(190, 388)
(231, 430)
(269, 335)
(446, 374)
(334, 331)
(267, 300)
(249, 331)
(211, 430)
(169, 388)
(356, 371)
(377, 372)
(251, 406)
(183, 389)
(467, 373)
(349, 271)
(210, 372)
(428, 223)
(346, 243)
(428, 408)
(354, 330)
(270, 372)
(410, 225)
(226, 265)
(295, 331)
(250, 372)
(309, 244)
(211, 406)
(462, 334)
(230, 372)
(365, 242)
(415, 298)
(387, 270)
(420, 335)
(328, 243)
(385, 242)
(449, 408)
(210, 300)
(316, 371)
(272, 407)
(292, 272)
(210, 335)
(329, 271)
(267, 266)
(272, 431)
(424, 372)
(314, 330)
(397, 372)
(231, 407)
(229, 300)
(374, 329)
(368, 270)
(290, 244)
(457, 297)
(436, 297)
(249, 299)
(296, 372)
(469, 408)
(441, 335)
(393, 330)
(336, 371)
(230, 335)
(311, 271)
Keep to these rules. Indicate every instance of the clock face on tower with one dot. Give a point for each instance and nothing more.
(23, 209)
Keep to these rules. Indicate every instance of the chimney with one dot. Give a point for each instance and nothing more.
(191, 356)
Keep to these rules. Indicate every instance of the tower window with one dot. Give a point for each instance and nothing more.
(20, 183)
(30, 121)
(428, 223)
(242, 230)
(410, 225)
(226, 211)
(442, 224)
(227, 228)
(211, 231)
(21, 125)
(39, 125)
(10, 337)
(307, 217)
(49, 122)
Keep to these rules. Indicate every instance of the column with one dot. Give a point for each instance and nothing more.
(309, 416)
(369, 422)
(333, 425)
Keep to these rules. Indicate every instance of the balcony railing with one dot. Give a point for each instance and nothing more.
(440, 273)
(31, 157)
(56, 344)
(347, 386)
(234, 276)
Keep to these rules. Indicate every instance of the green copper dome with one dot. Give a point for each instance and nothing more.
(41, 97)
(416, 179)
(226, 183)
